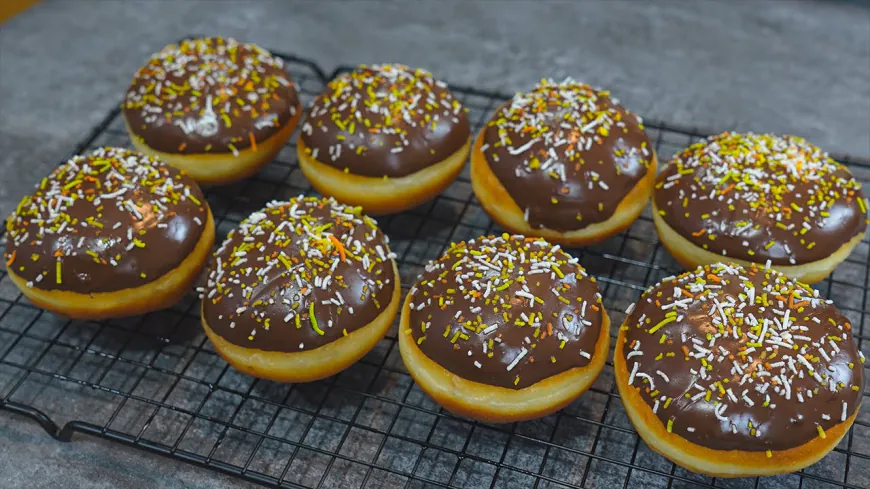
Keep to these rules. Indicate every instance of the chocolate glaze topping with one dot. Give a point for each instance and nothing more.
(107, 221)
(385, 121)
(506, 311)
(209, 95)
(761, 197)
(298, 275)
(566, 153)
(742, 359)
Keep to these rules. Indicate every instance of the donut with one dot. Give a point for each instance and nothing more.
(215, 107)
(504, 328)
(732, 371)
(300, 290)
(564, 162)
(385, 137)
(759, 198)
(109, 234)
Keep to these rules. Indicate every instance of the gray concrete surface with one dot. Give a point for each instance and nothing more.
(796, 67)
(30, 459)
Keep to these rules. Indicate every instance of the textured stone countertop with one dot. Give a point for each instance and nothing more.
(800, 68)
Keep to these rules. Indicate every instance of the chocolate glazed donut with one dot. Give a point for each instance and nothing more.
(209, 95)
(104, 223)
(564, 161)
(757, 198)
(386, 137)
(215, 107)
(301, 290)
(385, 120)
(504, 328)
(738, 371)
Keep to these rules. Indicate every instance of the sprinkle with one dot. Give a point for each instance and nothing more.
(517, 359)
(314, 319)
(662, 323)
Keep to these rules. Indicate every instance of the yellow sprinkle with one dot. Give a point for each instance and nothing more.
(504, 285)
(708, 396)
(558, 272)
(769, 454)
(71, 184)
(455, 336)
(344, 332)
(863, 205)
(144, 276)
(562, 344)
(93, 253)
(446, 331)
(663, 338)
(194, 199)
(298, 324)
(420, 339)
(821, 431)
(314, 320)
(58, 272)
(552, 359)
(138, 243)
(668, 402)
(670, 425)
(517, 380)
(661, 323)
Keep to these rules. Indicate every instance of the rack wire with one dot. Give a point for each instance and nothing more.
(155, 383)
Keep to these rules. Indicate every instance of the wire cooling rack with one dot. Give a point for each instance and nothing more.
(155, 383)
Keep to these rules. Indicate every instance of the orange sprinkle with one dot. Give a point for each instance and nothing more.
(339, 246)
(713, 277)
(699, 233)
(11, 258)
(253, 141)
(687, 293)
(550, 329)
(182, 146)
(594, 307)
(726, 190)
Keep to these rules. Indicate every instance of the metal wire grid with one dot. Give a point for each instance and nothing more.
(154, 382)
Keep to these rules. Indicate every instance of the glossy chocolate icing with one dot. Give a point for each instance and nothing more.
(566, 153)
(384, 120)
(506, 311)
(724, 336)
(761, 197)
(209, 95)
(294, 259)
(107, 221)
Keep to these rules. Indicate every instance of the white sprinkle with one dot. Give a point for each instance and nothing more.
(517, 359)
